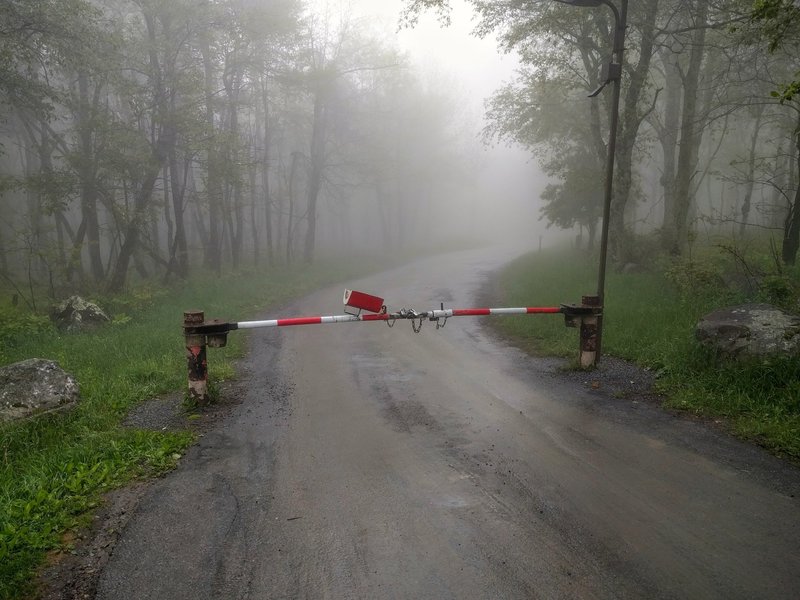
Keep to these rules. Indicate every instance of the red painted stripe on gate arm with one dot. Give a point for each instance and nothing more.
(378, 317)
(300, 321)
(543, 310)
(471, 312)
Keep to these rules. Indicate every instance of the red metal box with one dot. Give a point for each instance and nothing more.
(363, 301)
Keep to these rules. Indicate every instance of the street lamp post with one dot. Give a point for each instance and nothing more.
(613, 75)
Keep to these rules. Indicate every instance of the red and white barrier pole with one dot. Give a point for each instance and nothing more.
(201, 333)
(431, 314)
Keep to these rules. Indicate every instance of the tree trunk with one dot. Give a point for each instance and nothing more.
(290, 224)
(213, 250)
(691, 132)
(3, 255)
(32, 165)
(265, 176)
(630, 122)
(86, 173)
(133, 229)
(162, 146)
(791, 229)
(668, 136)
(179, 253)
(236, 216)
(751, 169)
(315, 176)
(166, 183)
(251, 172)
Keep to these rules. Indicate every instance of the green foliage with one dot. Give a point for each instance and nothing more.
(694, 279)
(778, 22)
(45, 33)
(650, 319)
(778, 19)
(63, 479)
(16, 323)
(531, 113)
(781, 290)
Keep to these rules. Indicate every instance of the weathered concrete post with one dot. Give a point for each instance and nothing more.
(586, 316)
(589, 333)
(196, 357)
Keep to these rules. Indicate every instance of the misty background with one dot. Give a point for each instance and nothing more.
(148, 139)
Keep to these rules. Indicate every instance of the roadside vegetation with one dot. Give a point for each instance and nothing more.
(650, 318)
(55, 468)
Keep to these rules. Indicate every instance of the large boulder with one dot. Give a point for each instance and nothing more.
(750, 331)
(76, 314)
(34, 386)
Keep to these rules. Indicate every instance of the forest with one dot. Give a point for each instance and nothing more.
(235, 155)
(708, 130)
(148, 139)
(151, 138)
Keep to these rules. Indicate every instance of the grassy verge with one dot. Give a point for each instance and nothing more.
(55, 468)
(649, 319)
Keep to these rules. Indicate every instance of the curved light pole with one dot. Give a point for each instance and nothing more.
(612, 75)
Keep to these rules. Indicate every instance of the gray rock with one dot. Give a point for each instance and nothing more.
(34, 386)
(76, 314)
(750, 331)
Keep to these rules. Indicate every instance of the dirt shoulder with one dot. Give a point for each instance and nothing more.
(73, 573)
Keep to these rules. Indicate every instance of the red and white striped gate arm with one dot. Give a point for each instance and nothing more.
(200, 333)
(477, 312)
(431, 314)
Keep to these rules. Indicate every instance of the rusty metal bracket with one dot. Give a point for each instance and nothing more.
(573, 313)
(209, 327)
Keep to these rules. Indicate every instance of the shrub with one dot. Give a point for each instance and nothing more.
(695, 279)
(16, 323)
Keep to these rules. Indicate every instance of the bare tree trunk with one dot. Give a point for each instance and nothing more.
(86, 173)
(281, 200)
(668, 136)
(691, 133)
(251, 171)
(290, 223)
(751, 168)
(315, 176)
(3, 255)
(32, 165)
(265, 175)
(161, 148)
(166, 178)
(791, 229)
(179, 253)
(213, 249)
(235, 215)
(133, 229)
(630, 122)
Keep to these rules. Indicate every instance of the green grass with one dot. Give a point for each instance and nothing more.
(650, 321)
(55, 468)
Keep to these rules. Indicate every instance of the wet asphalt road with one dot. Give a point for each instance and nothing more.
(369, 462)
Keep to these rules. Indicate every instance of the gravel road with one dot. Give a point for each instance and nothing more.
(369, 462)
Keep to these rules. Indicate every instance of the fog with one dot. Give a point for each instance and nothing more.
(498, 200)
(148, 141)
